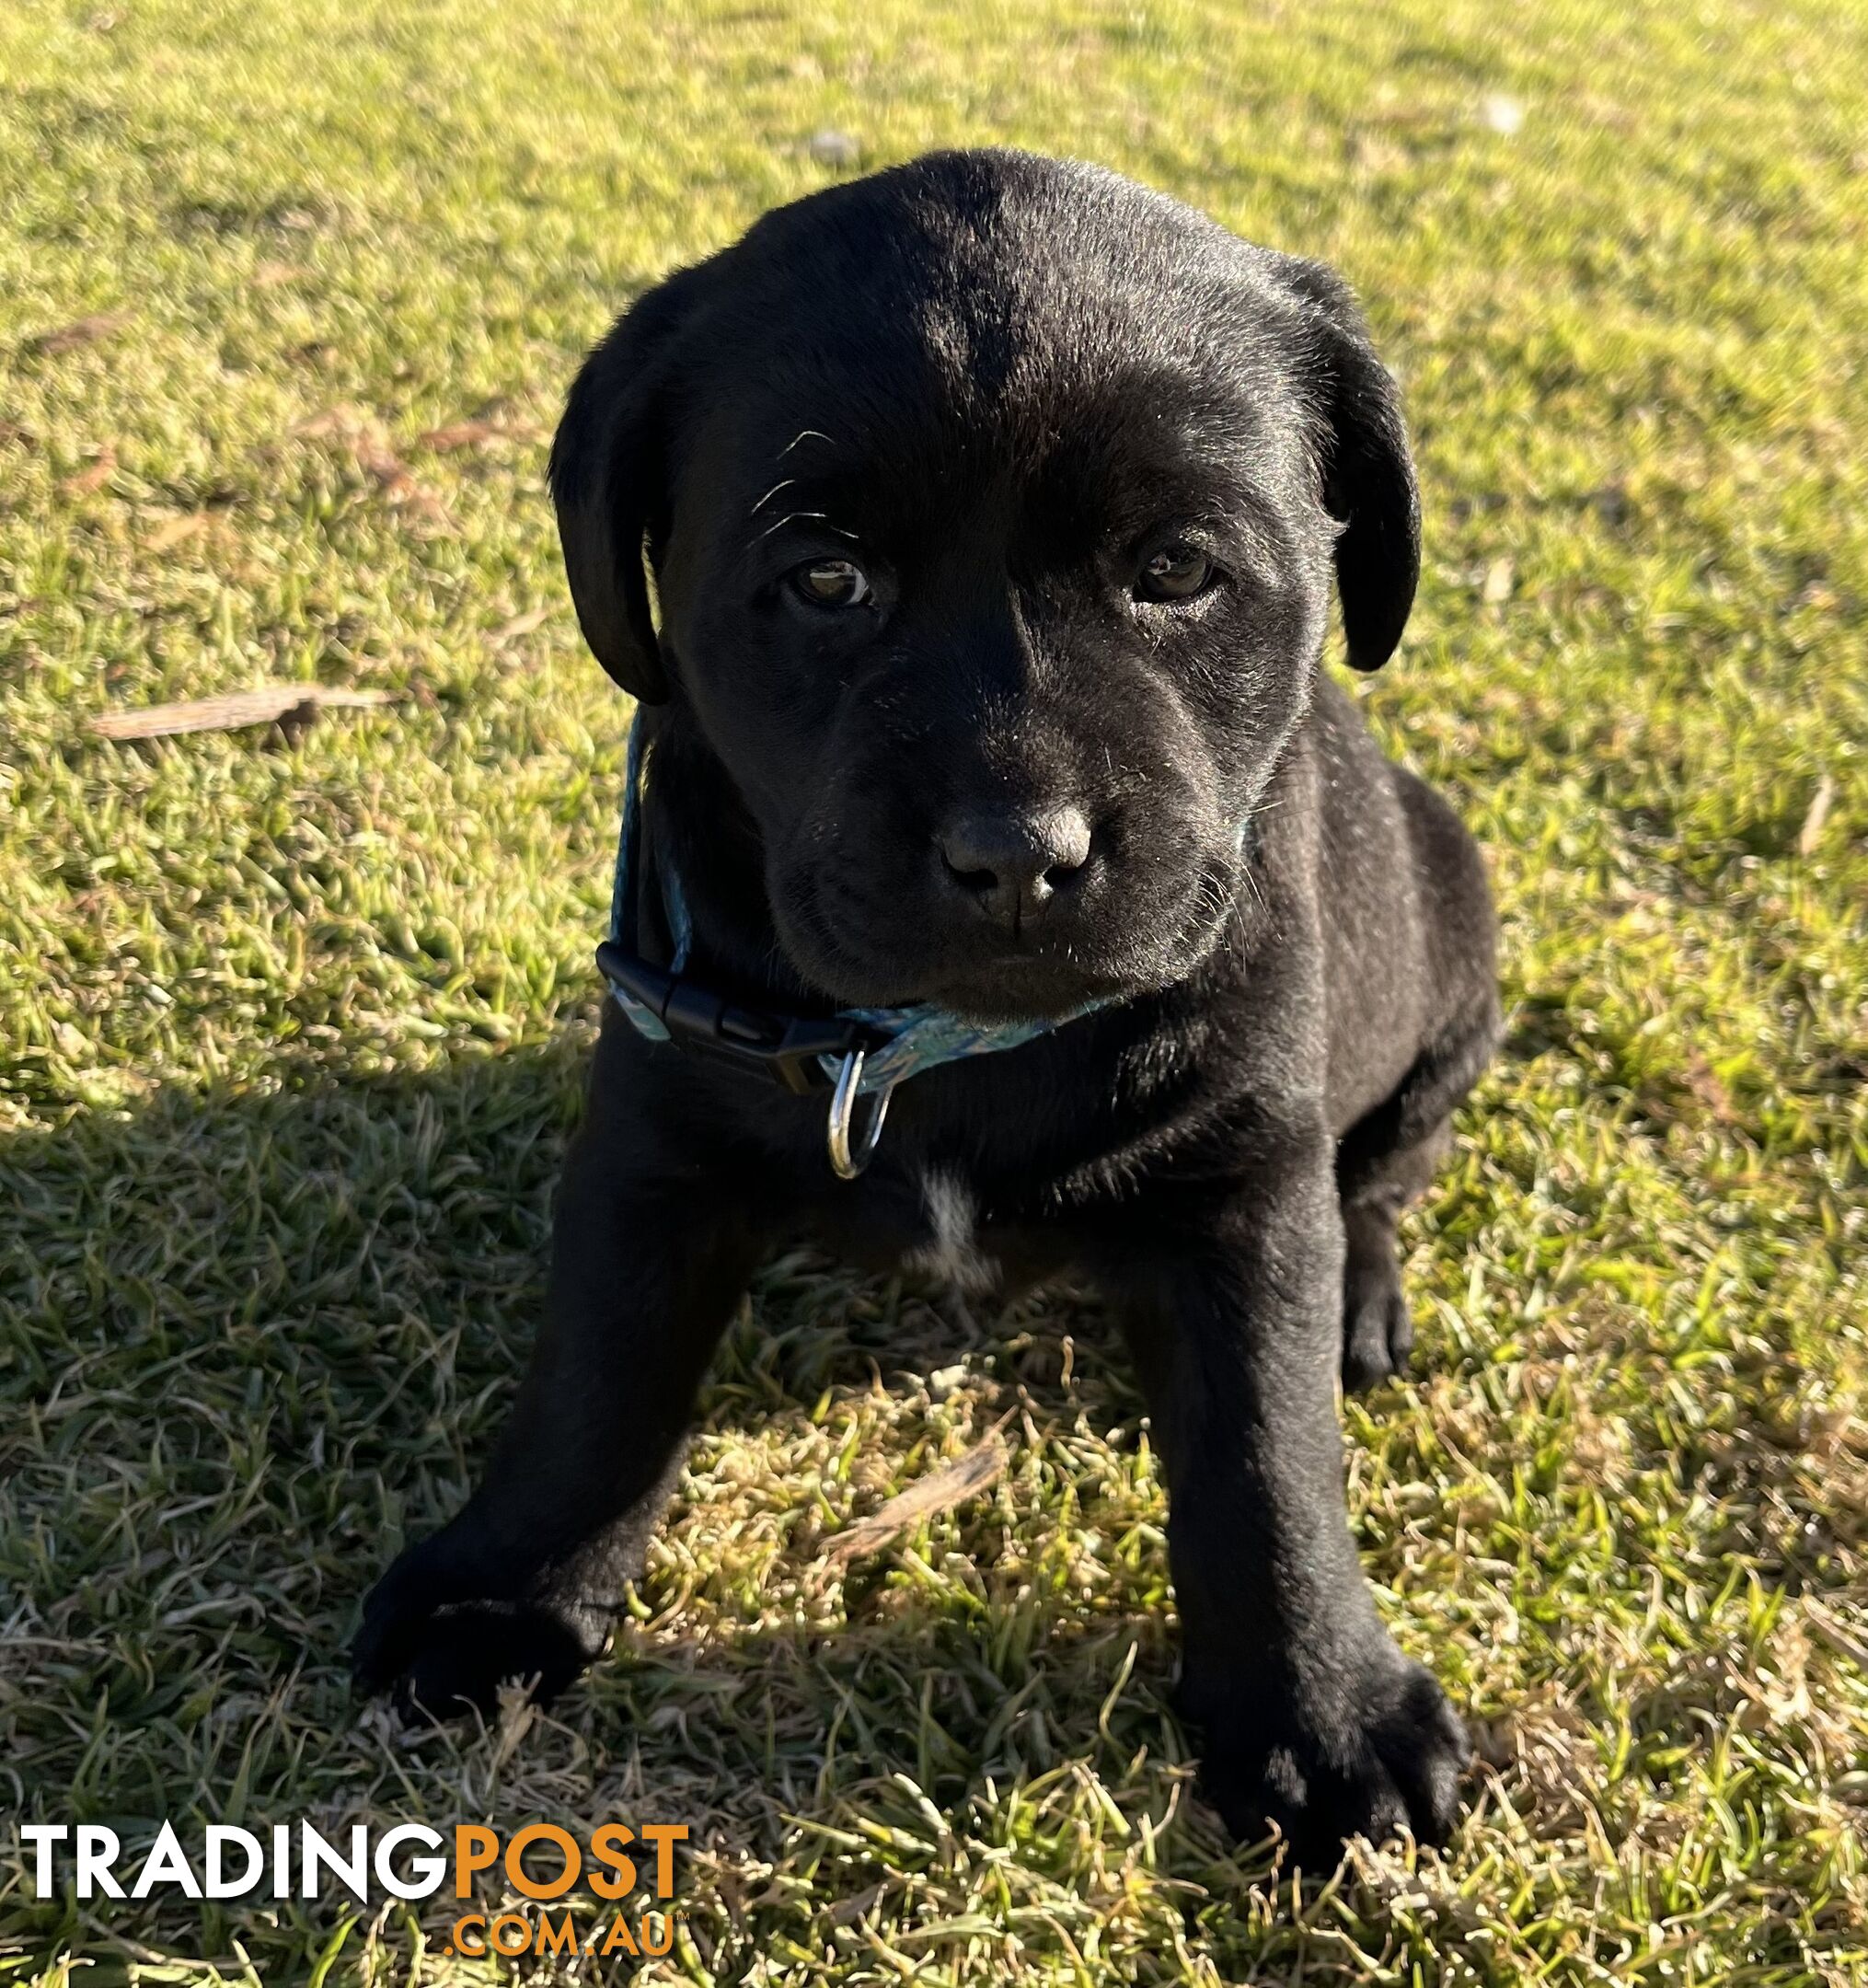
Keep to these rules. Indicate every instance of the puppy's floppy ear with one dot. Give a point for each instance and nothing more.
(609, 482)
(1368, 475)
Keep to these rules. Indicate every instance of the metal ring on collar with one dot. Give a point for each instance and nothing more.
(846, 1162)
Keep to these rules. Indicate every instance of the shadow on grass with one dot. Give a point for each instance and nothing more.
(252, 1342)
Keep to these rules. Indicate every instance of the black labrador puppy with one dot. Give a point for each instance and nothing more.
(992, 505)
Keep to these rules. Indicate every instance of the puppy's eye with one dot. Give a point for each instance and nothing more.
(1177, 572)
(833, 583)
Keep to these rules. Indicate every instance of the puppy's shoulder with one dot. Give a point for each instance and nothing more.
(1354, 775)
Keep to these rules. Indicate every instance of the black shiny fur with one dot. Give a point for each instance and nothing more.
(998, 381)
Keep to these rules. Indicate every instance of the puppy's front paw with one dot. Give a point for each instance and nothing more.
(441, 1650)
(1381, 1751)
(1377, 1331)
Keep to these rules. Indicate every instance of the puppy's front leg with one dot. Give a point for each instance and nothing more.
(526, 1580)
(1311, 1716)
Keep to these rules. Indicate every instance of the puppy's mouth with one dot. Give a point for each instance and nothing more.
(1046, 975)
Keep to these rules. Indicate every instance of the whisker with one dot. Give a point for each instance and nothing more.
(818, 518)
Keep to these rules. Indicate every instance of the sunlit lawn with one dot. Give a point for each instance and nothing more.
(291, 1029)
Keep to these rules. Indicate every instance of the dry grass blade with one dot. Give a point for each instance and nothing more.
(362, 434)
(1820, 804)
(520, 624)
(298, 702)
(939, 1491)
(70, 337)
(345, 421)
(496, 422)
(176, 531)
(368, 442)
(458, 435)
(88, 483)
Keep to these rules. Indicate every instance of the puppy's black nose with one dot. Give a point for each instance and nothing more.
(1012, 866)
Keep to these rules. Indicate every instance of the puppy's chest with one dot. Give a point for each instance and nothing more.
(931, 1220)
(955, 1242)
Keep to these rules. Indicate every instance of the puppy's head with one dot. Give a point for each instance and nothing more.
(992, 504)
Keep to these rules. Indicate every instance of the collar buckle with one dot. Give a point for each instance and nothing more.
(786, 1047)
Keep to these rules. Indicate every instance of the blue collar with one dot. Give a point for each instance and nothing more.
(861, 1052)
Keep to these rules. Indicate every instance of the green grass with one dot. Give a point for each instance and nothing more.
(291, 1031)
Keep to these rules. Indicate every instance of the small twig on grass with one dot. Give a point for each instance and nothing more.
(939, 1491)
(1820, 804)
(68, 338)
(472, 434)
(295, 704)
(520, 624)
